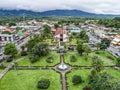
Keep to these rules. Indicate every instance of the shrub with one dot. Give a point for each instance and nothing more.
(118, 61)
(76, 79)
(23, 53)
(43, 84)
(71, 48)
(65, 51)
(2, 66)
(49, 59)
(73, 58)
(9, 59)
(97, 52)
(58, 51)
(33, 58)
(86, 88)
(86, 58)
(110, 57)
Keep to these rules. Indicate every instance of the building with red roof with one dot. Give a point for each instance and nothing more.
(61, 35)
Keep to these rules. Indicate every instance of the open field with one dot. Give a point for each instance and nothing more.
(83, 60)
(84, 74)
(42, 60)
(27, 79)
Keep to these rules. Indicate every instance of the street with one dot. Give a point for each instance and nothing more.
(111, 49)
(22, 42)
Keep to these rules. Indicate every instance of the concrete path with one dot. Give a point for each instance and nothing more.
(8, 67)
(63, 72)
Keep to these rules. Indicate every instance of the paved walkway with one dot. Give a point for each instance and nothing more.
(8, 67)
(112, 63)
(62, 72)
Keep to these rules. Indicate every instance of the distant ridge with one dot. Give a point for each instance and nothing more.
(55, 13)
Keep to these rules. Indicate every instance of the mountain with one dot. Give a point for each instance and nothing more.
(57, 13)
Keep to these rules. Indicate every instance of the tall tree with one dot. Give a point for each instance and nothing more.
(93, 75)
(97, 63)
(105, 43)
(105, 82)
(40, 49)
(83, 36)
(47, 31)
(56, 25)
(10, 49)
(86, 48)
(80, 48)
(12, 24)
(32, 42)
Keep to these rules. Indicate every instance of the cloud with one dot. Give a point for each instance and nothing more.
(94, 6)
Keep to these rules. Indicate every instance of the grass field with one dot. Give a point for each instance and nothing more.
(81, 60)
(84, 74)
(72, 42)
(42, 60)
(1, 70)
(49, 41)
(106, 55)
(27, 80)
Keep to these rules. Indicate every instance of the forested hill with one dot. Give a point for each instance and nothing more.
(55, 13)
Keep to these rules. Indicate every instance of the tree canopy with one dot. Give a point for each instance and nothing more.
(105, 43)
(105, 82)
(97, 63)
(83, 36)
(80, 49)
(10, 49)
(40, 49)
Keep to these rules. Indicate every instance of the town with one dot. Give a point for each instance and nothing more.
(59, 54)
(19, 33)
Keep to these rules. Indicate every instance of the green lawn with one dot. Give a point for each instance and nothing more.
(72, 42)
(114, 73)
(17, 56)
(107, 55)
(49, 41)
(81, 60)
(42, 60)
(27, 80)
(1, 70)
(84, 74)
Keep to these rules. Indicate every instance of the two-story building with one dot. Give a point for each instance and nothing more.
(61, 36)
(5, 38)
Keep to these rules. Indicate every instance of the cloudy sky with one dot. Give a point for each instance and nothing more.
(94, 6)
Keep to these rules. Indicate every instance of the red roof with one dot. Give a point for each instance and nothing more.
(58, 31)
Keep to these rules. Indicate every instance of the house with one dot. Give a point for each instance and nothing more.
(116, 40)
(61, 35)
(75, 30)
(6, 28)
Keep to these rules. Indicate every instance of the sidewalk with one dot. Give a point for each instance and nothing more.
(8, 67)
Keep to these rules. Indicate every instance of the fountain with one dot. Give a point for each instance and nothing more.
(62, 67)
